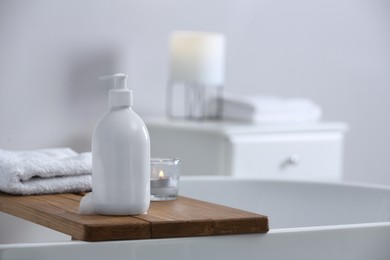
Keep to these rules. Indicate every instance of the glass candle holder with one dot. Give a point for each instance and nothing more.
(164, 179)
(197, 75)
(194, 101)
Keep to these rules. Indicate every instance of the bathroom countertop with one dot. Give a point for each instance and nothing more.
(183, 217)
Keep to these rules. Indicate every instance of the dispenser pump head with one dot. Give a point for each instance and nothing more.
(120, 95)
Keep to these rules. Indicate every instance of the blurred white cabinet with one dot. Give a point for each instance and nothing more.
(294, 151)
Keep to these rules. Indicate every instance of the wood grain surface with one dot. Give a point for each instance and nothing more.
(182, 217)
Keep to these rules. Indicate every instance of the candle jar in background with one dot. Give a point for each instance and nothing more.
(164, 178)
(194, 101)
(197, 75)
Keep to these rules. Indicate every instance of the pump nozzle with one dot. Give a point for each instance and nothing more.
(120, 95)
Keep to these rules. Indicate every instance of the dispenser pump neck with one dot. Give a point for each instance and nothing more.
(120, 95)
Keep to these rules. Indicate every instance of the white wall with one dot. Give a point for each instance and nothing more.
(335, 52)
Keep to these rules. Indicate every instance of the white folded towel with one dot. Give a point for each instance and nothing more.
(268, 109)
(45, 171)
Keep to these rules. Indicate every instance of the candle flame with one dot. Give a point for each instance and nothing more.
(161, 174)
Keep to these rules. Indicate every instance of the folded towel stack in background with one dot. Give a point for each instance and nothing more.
(45, 171)
(268, 109)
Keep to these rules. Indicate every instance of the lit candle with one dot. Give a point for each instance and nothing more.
(164, 180)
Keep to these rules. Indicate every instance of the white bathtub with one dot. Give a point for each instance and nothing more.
(307, 221)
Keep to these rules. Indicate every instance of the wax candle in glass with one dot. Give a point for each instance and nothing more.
(164, 178)
(197, 75)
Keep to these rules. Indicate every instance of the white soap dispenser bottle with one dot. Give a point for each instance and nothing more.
(120, 156)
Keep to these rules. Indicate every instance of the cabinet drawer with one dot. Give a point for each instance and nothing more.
(309, 156)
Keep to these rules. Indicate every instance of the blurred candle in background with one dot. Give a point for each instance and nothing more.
(197, 73)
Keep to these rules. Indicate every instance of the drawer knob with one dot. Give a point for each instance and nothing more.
(292, 160)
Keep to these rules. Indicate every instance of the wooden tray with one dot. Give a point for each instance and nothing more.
(183, 217)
